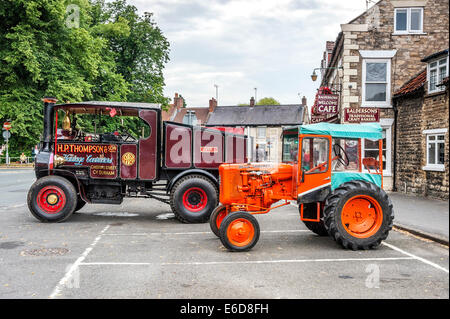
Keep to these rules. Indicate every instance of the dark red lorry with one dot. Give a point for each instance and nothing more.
(174, 163)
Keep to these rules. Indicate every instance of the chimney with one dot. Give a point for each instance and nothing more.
(212, 104)
(304, 101)
(252, 101)
(178, 101)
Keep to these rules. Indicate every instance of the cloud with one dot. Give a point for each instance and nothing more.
(240, 45)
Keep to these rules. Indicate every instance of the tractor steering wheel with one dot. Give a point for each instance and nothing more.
(341, 154)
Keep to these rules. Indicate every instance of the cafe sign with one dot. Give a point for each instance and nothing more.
(361, 114)
(326, 104)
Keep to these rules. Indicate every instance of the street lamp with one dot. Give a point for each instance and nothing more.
(314, 74)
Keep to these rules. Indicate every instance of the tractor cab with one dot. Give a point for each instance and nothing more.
(338, 192)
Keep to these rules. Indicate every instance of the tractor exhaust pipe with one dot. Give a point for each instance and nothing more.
(49, 114)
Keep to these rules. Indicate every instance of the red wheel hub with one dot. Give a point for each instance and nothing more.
(51, 199)
(195, 199)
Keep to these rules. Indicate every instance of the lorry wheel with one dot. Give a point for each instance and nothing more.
(239, 231)
(316, 227)
(52, 199)
(358, 215)
(193, 198)
(216, 218)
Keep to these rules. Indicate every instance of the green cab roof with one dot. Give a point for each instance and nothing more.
(369, 130)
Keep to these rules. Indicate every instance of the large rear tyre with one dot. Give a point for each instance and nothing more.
(52, 199)
(239, 231)
(216, 218)
(316, 227)
(193, 198)
(358, 215)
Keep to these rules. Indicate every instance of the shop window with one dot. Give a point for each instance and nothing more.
(435, 154)
(370, 148)
(437, 71)
(408, 20)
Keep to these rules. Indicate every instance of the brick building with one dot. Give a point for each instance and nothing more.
(376, 53)
(421, 130)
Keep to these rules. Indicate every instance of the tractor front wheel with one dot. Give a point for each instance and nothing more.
(358, 215)
(216, 218)
(239, 231)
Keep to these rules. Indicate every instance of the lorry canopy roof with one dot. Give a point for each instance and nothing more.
(369, 130)
(95, 106)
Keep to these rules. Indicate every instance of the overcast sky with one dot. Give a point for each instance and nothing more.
(242, 44)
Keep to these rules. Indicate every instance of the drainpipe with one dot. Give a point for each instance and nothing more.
(394, 179)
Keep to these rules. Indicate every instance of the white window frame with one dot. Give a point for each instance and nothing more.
(437, 67)
(379, 104)
(385, 124)
(435, 133)
(408, 21)
(257, 132)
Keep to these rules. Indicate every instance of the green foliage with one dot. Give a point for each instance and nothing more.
(111, 53)
(268, 101)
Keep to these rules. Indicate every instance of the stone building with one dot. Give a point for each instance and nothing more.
(421, 130)
(263, 125)
(375, 54)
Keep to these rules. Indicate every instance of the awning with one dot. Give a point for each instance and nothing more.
(367, 130)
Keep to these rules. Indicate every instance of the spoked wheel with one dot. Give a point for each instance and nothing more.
(52, 199)
(195, 199)
(216, 218)
(358, 215)
(239, 231)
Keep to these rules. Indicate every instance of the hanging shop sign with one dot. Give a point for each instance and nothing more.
(327, 104)
(361, 114)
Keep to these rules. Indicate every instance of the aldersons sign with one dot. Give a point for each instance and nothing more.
(361, 114)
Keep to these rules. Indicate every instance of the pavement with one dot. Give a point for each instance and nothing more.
(425, 217)
(139, 250)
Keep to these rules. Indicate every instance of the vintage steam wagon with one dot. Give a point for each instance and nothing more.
(174, 163)
(339, 193)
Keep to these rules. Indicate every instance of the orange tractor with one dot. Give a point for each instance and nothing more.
(338, 192)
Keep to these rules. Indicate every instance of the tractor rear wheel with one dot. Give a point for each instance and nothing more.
(216, 218)
(358, 215)
(193, 198)
(239, 231)
(316, 227)
(52, 199)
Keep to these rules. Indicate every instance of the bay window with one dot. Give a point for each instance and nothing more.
(376, 78)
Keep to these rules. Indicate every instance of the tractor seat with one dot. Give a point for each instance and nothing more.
(371, 163)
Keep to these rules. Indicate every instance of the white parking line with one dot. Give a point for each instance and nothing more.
(75, 265)
(242, 262)
(415, 257)
(205, 232)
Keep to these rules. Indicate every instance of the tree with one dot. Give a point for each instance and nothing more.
(110, 53)
(268, 101)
